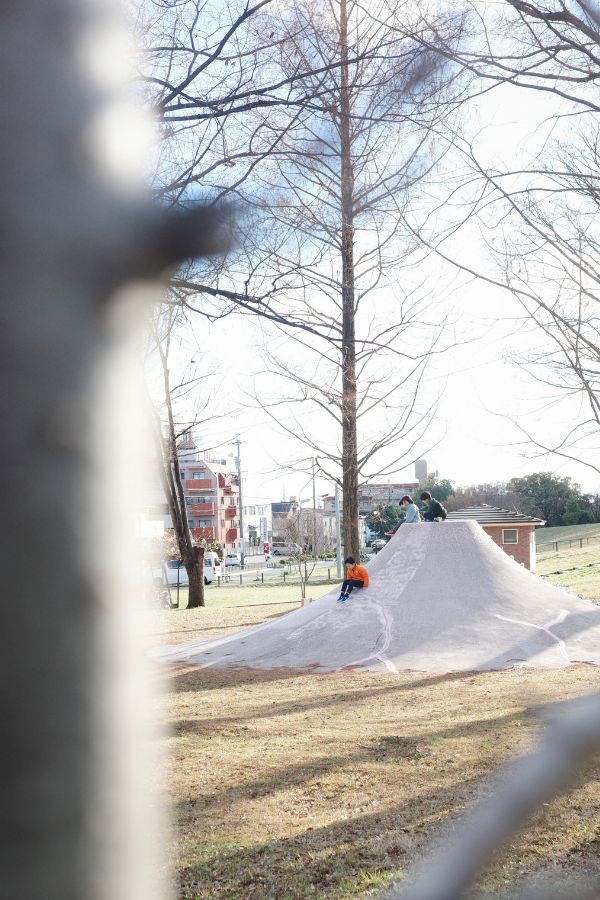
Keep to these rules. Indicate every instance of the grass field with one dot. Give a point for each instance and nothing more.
(579, 569)
(544, 536)
(291, 786)
(287, 786)
(219, 597)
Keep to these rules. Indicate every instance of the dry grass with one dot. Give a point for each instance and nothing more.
(580, 570)
(288, 785)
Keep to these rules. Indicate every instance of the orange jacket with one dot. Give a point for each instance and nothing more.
(358, 573)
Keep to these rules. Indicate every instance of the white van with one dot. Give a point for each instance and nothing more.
(176, 572)
(289, 549)
(212, 567)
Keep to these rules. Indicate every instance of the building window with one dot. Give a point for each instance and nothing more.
(510, 536)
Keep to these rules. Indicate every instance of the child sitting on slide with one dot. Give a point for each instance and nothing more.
(356, 577)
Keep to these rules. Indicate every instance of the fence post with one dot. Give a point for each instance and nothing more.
(262, 577)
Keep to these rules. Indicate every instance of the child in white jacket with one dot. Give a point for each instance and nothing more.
(412, 511)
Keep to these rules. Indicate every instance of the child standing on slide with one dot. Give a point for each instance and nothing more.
(356, 577)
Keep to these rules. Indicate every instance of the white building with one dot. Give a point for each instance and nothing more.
(258, 526)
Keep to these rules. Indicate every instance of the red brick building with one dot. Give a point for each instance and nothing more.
(211, 490)
(512, 531)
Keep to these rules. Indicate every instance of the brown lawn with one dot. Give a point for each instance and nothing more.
(289, 785)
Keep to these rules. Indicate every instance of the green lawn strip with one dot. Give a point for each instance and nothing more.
(227, 610)
(579, 570)
(549, 563)
(220, 596)
(294, 786)
(584, 583)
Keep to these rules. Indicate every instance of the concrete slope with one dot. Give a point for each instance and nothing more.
(442, 597)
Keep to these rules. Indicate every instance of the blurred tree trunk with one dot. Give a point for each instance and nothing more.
(77, 228)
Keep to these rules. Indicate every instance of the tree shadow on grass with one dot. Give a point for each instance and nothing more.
(192, 678)
(345, 857)
(354, 852)
(405, 746)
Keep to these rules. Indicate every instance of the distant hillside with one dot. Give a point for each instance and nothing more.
(544, 536)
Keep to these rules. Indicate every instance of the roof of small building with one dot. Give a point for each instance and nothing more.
(284, 507)
(494, 515)
(186, 442)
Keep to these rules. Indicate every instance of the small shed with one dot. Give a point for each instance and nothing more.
(512, 531)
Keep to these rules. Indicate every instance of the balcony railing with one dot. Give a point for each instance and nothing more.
(199, 484)
(203, 509)
(230, 512)
(207, 534)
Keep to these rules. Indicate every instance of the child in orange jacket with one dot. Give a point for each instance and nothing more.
(356, 577)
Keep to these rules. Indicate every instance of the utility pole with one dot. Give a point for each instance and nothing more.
(238, 465)
(314, 511)
(338, 541)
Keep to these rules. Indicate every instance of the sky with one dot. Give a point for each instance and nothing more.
(475, 442)
(480, 386)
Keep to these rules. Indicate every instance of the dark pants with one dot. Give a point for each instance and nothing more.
(349, 584)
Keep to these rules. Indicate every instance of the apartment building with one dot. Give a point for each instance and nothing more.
(211, 491)
(370, 496)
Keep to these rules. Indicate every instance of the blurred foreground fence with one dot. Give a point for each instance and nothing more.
(569, 740)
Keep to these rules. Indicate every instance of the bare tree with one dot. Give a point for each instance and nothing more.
(334, 193)
(323, 119)
(168, 438)
(304, 529)
(542, 216)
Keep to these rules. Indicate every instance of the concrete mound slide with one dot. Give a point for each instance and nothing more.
(442, 597)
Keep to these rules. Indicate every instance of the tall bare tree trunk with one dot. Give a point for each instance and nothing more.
(191, 556)
(349, 437)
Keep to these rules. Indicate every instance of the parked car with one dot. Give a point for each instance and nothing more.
(378, 544)
(176, 572)
(289, 549)
(233, 559)
(212, 567)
